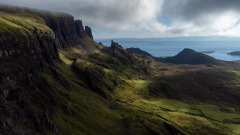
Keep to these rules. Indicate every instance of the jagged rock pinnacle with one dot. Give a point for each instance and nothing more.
(88, 31)
(79, 28)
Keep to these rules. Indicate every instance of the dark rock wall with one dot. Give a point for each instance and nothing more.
(25, 101)
(22, 58)
(79, 27)
(88, 31)
(37, 47)
(40, 48)
(64, 29)
(67, 30)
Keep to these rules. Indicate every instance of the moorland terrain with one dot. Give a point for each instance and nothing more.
(55, 79)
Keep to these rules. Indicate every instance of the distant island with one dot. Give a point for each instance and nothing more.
(235, 53)
(189, 56)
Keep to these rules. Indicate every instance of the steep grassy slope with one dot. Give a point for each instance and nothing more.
(131, 107)
(12, 22)
(79, 109)
(90, 102)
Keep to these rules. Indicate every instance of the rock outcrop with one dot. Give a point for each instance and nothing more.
(115, 45)
(119, 57)
(88, 31)
(235, 53)
(138, 51)
(67, 31)
(26, 51)
(80, 30)
(64, 28)
(23, 57)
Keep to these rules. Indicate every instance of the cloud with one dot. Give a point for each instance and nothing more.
(191, 9)
(205, 17)
(110, 14)
(148, 18)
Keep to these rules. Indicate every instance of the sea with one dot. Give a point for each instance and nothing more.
(216, 47)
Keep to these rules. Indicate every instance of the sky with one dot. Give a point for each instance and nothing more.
(148, 18)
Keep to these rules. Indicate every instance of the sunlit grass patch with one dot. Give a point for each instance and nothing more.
(235, 128)
(174, 105)
(140, 86)
(65, 59)
(213, 112)
(12, 22)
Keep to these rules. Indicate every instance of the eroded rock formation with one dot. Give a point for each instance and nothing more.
(79, 27)
(24, 53)
(88, 31)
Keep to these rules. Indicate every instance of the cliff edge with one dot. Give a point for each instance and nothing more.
(30, 41)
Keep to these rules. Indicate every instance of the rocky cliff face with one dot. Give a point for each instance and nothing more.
(37, 45)
(26, 49)
(88, 31)
(67, 30)
(64, 29)
(79, 27)
(22, 57)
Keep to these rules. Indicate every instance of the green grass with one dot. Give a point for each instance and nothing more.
(194, 118)
(234, 127)
(90, 42)
(65, 59)
(141, 86)
(13, 22)
(82, 110)
(213, 112)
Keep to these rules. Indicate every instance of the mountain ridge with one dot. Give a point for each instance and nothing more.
(31, 41)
